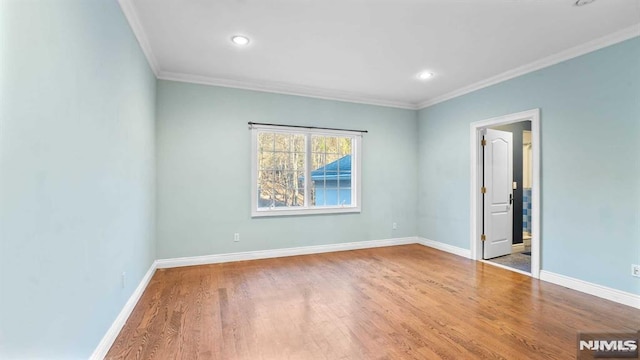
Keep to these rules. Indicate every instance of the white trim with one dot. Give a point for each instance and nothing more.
(107, 340)
(284, 211)
(445, 247)
(254, 169)
(285, 89)
(114, 330)
(475, 183)
(517, 248)
(505, 267)
(306, 208)
(356, 173)
(129, 10)
(276, 253)
(604, 292)
(608, 40)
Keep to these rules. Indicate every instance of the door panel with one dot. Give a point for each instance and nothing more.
(498, 178)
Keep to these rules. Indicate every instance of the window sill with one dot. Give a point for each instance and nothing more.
(298, 212)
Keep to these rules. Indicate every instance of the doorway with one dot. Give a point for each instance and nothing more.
(505, 198)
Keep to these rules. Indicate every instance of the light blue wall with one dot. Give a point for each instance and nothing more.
(204, 179)
(77, 170)
(590, 116)
(76, 174)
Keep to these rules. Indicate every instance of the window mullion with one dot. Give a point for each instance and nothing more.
(309, 206)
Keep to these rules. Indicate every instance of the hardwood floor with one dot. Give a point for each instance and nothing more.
(402, 302)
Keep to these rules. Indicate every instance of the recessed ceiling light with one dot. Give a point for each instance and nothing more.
(240, 40)
(425, 75)
(583, 2)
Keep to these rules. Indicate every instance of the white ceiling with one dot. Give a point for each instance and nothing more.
(371, 50)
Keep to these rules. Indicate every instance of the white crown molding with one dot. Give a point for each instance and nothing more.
(611, 39)
(108, 339)
(604, 292)
(275, 253)
(129, 10)
(286, 89)
(445, 247)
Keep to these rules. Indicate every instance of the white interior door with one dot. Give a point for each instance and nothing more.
(498, 198)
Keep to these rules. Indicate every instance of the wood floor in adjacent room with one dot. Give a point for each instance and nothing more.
(401, 302)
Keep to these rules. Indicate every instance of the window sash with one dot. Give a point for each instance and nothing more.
(307, 207)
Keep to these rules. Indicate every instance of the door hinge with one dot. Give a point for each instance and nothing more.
(483, 237)
(483, 190)
(483, 142)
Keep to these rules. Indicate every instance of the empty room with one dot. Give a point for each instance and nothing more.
(355, 179)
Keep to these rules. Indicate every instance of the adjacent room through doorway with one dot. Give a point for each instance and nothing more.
(518, 250)
(505, 192)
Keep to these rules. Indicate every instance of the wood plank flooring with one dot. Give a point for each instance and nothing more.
(401, 302)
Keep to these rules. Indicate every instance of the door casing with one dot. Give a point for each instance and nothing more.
(476, 182)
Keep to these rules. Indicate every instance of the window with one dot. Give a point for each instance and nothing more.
(299, 171)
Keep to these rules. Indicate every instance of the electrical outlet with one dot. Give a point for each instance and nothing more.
(635, 270)
(236, 237)
(123, 279)
(394, 226)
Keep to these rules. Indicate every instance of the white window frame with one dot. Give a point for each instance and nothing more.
(356, 177)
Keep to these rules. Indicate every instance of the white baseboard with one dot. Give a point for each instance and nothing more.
(604, 292)
(105, 344)
(445, 247)
(266, 254)
(107, 341)
(516, 248)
